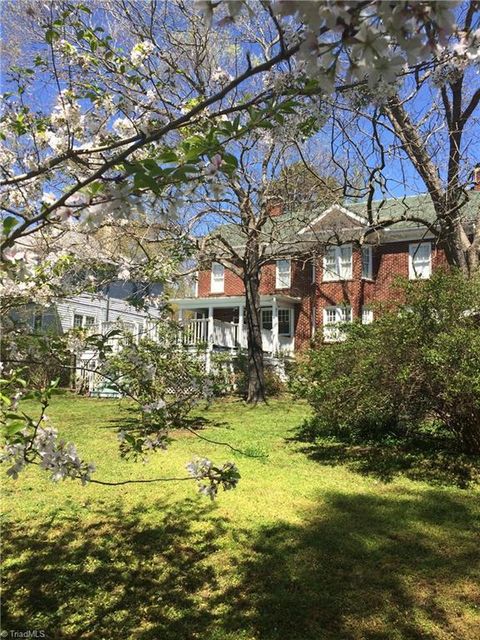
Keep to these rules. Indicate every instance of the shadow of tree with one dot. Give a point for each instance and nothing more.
(129, 417)
(119, 575)
(362, 568)
(358, 567)
(413, 460)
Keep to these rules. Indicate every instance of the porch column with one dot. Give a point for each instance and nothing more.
(240, 325)
(209, 339)
(180, 315)
(275, 341)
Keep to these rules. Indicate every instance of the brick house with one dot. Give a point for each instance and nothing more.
(333, 274)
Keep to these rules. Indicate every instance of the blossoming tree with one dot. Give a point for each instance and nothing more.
(100, 127)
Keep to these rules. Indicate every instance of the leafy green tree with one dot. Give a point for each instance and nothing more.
(418, 364)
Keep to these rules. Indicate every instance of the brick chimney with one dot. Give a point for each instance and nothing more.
(274, 206)
(476, 177)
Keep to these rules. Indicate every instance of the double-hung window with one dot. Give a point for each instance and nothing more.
(267, 318)
(81, 321)
(283, 276)
(420, 261)
(367, 315)
(332, 318)
(284, 322)
(337, 263)
(367, 263)
(217, 284)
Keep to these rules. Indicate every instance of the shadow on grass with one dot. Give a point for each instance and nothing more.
(129, 418)
(118, 576)
(363, 568)
(359, 567)
(386, 461)
(424, 456)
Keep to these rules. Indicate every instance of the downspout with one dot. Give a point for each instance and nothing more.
(313, 308)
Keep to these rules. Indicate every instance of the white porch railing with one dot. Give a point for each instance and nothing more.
(195, 332)
(226, 334)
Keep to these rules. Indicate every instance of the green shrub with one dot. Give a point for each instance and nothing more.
(274, 385)
(417, 363)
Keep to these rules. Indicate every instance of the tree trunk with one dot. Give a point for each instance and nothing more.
(256, 370)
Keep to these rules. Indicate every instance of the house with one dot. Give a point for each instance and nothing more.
(110, 304)
(334, 273)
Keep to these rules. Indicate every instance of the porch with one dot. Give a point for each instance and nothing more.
(220, 324)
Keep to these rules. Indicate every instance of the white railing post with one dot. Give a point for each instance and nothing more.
(275, 344)
(209, 339)
(240, 325)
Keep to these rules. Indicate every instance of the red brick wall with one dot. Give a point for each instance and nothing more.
(233, 285)
(390, 261)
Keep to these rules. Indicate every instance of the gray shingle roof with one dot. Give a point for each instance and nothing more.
(409, 210)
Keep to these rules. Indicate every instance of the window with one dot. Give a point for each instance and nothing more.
(83, 322)
(333, 316)
(284, 274)
(284, 322)
(420, 261)
(367, 263)
(218, 278)
(38, 320)
(367, 315)
(267, 319)
(337, 263)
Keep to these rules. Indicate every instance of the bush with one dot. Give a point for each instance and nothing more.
(274, 385)
(417, 364)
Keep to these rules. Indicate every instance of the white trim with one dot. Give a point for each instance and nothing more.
(367, 315)
(331, 333)
(369, 275)
(217, 281)
(290, 322)
(195, 283)
(334, 208)
(279, 282)
(232, 301)
(413, 249)
(336, 276)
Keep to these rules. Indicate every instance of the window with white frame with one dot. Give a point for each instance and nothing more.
(367, 263)
(218, 278)
(283, 274)
(284, 322)
(367, 315)
(81, 321)
(332, 318)
(420, 261)
(267, 318)
(337, 263)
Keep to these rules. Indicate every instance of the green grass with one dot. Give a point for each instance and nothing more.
(304, 549)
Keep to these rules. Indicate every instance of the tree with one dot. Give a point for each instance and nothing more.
(242, 208)
(413, 372)
(139, 101)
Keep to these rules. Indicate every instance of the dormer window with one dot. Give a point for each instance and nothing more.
(217, 284)
(337, 263)
(283, 274)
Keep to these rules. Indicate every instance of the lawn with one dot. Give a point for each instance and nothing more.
(308, 547)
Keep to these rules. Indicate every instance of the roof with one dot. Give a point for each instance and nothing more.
(409, 212)
(420, 207)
